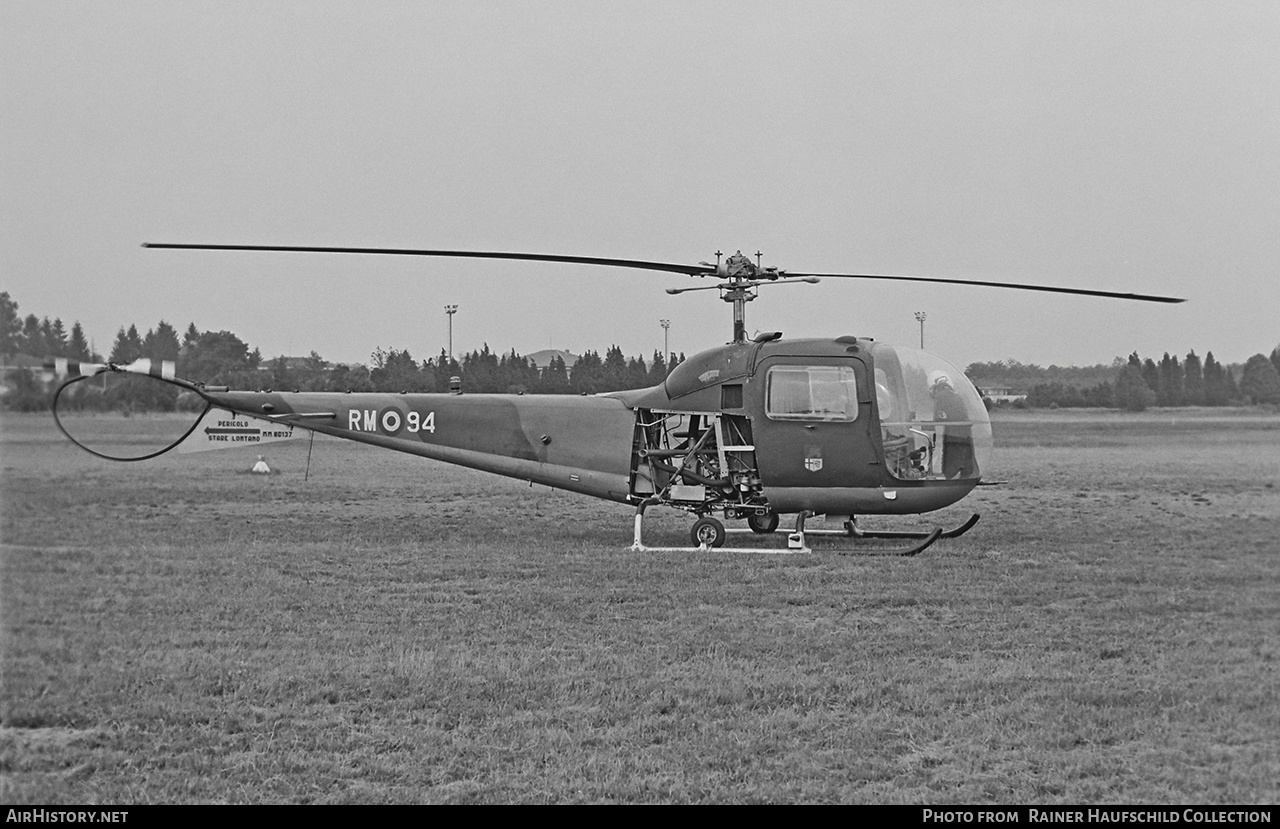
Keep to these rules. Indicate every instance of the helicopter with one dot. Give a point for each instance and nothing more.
(753, 430)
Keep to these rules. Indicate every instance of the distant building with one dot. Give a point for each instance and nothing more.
(294, 364)
(1001, 394)
(542, 359)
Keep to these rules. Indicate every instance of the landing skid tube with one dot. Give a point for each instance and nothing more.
(924, 540)
(955, 532)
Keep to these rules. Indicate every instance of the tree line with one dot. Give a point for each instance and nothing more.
(1136, 383)
(223, 359)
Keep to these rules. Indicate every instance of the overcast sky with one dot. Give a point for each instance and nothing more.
(1129, 146)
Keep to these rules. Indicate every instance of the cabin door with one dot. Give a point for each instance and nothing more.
(811, 419)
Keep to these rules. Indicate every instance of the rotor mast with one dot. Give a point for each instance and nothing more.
(739, 289)
(742, 277)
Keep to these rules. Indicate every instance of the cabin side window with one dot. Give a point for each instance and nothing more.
(812, 393)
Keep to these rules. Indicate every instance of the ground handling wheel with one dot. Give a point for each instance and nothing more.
(707, 532)
(763, 524)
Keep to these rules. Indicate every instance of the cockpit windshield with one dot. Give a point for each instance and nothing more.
(932, 420)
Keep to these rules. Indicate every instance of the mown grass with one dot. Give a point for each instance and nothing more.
(395, 630)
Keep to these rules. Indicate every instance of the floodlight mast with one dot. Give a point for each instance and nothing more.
(450, 310)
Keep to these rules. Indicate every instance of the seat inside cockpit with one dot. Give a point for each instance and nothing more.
(933, 424)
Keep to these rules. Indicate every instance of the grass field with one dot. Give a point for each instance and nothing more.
(396, 630)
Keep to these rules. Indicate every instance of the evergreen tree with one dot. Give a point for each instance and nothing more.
(614, 374)
(637, 376)
(1192, 380)
(51, 347)
(587, 374)
(529, 376)
(161, 343)
(555, 377)
(1233, 390)
(127, 347)
(512, 376)
(1215, 382)
(32, 341)
(77, 345)
(525, 374)
(480, 371)
(441, 370)
(396, 371)
(10, 325)
(1170, 392)
(1151, 375)
(56, 337)
(505, 379)
(1275, 357)
(658, 370)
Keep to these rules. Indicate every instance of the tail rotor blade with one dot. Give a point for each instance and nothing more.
(64, 367)
(164, 369)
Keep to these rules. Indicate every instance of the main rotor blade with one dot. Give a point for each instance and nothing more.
(669, 267)
(1053, 289)
(702, 269)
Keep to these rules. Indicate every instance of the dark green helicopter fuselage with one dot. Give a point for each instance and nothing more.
(843, 426)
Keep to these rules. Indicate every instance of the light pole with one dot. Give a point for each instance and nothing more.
(666, 341)
(920, 315)
(450, 310)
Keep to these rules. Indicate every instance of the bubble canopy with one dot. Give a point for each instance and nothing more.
(932, 419)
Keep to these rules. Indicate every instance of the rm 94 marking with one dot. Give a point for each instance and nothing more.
(390, 421)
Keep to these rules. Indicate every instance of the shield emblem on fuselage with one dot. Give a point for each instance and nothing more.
(812, 458)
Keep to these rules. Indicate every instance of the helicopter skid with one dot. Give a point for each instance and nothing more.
(924, 538)
(926, 541)
(851, 528)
